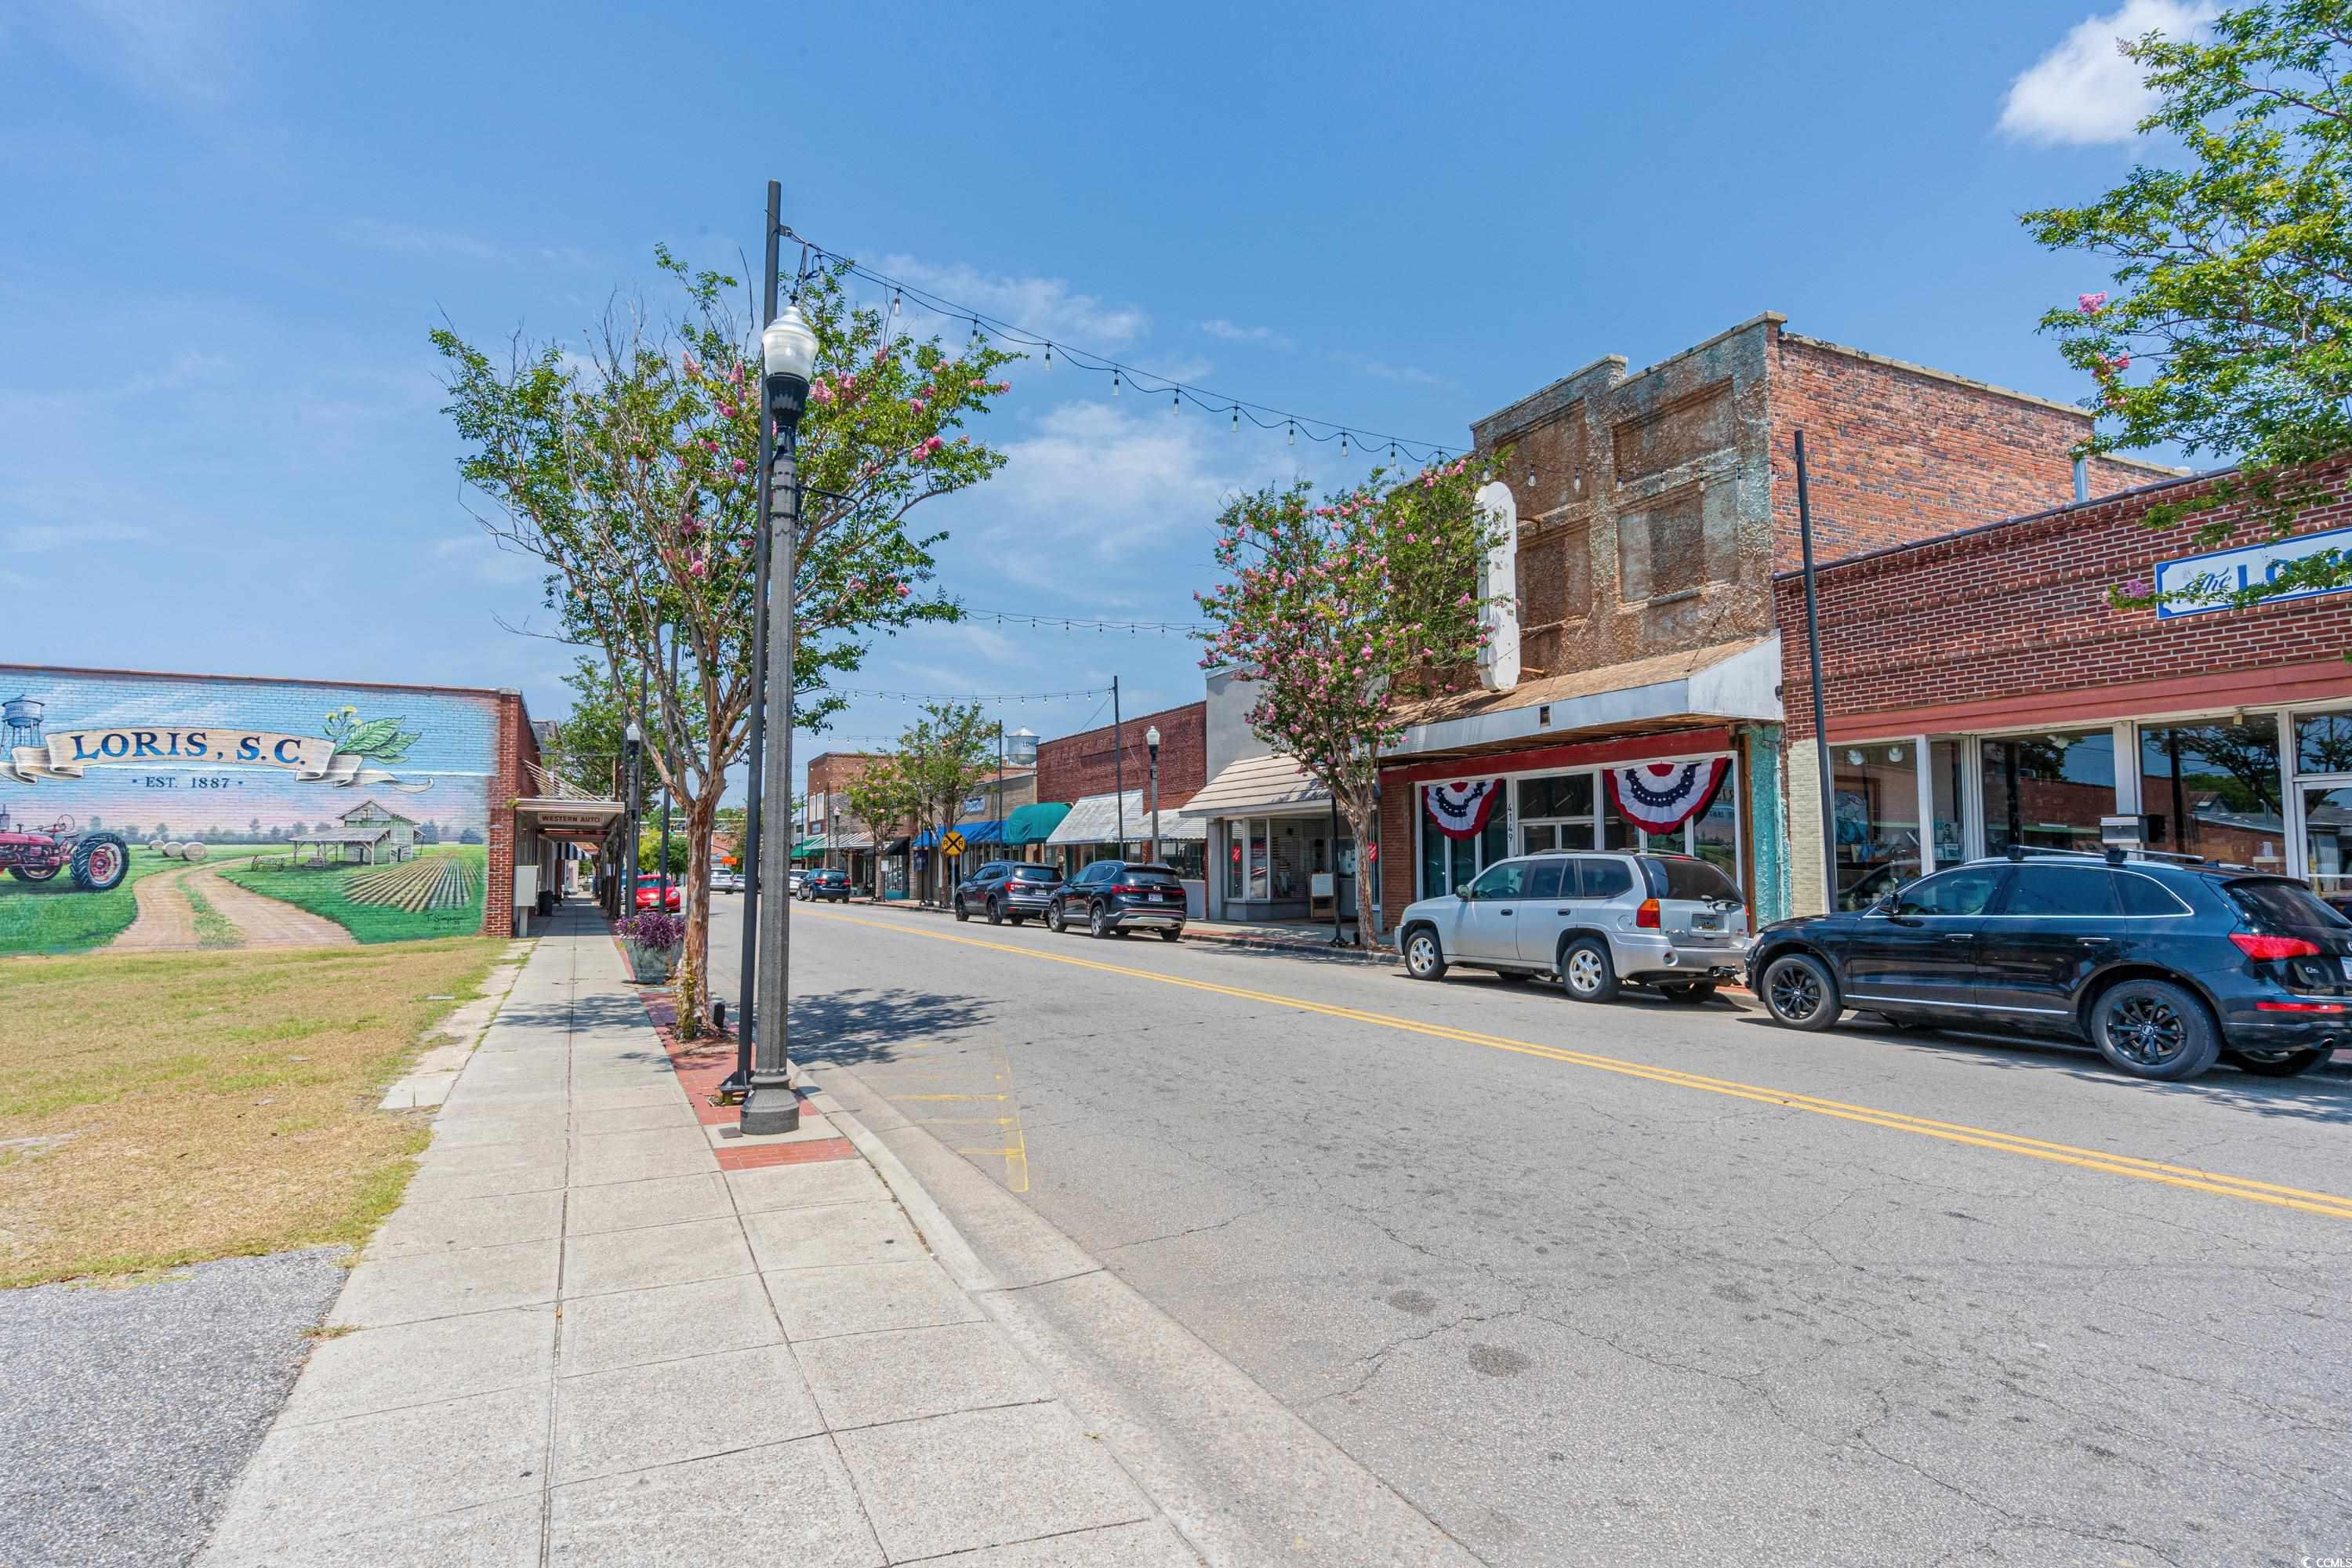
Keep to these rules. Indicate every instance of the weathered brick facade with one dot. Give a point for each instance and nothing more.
(1071, 767)
(2011, 625)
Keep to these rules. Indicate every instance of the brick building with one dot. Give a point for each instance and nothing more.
(1651, 512)
(1982, 689)
(1085, 771)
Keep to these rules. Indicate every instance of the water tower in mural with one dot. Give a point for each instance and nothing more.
(20, 719)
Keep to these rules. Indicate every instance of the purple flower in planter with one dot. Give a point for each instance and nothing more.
(656, 929)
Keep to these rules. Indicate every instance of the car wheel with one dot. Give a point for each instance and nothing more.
(1423, 958)
(1172, 934)
(1689, 992)
(1097, 923)
(1800, 992)
(1057, 921)
(1586, 972)
(960, 912)
(2155, 1030)
(995, 913)
(2277, 1064)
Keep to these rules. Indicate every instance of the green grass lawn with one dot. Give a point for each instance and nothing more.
(324, 893)
(56, 916)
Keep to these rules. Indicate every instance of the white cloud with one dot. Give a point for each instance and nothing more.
(1044, 305)
(2084, 91)
(1234, 332)
(33, 538)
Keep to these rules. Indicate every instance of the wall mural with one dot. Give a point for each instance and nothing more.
(146, 813)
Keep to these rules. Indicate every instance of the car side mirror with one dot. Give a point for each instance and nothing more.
(1462, 891)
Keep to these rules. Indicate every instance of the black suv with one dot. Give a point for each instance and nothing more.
(1006, 891)
(2163, 962)
(1115, 896)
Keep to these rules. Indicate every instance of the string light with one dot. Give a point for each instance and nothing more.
(1176, 405)
(1237, 421)
(1265, 417)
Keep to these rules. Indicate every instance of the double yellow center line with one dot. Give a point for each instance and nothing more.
(2187, 1176)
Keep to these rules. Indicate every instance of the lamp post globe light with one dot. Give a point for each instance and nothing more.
(788, 350)
(1151, 744)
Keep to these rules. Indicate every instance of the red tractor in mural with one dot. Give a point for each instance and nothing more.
(97, 861)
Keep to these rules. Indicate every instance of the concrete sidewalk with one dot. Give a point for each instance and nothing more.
(604, 1329)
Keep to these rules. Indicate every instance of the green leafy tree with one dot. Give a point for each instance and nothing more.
(883, 798)
(2226, 330)
(940, 757)
(630, 472)
(1338, 612)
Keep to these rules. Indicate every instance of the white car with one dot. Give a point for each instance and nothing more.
(1672, 922)
(727, 881)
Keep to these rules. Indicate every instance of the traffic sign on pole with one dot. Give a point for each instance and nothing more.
(951, 845)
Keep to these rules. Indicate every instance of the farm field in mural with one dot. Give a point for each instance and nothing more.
(439, 893)
(142, 813)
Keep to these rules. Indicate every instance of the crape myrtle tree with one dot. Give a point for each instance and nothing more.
(630, 471)
(2225, 330)
(1339, 611)
(883, 800)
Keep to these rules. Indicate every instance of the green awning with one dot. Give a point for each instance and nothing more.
(813, 845)
(1030, 824)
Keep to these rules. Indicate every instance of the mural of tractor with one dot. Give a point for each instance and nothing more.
(97, 861)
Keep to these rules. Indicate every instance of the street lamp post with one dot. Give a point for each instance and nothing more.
(633, 741)
(670, 764)
(788, 357)
(1151, 744)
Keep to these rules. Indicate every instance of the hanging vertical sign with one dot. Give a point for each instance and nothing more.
(1460, 810)
(1498, 584)
(1659, 797)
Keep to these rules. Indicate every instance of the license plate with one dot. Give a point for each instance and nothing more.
(2347, 962)
(1707, 922)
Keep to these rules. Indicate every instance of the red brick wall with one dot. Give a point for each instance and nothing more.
(517, 747)
(1074, 766)
(1396, 847)
(1996, 618)
(1894, 453)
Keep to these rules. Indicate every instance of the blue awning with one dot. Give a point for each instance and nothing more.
(974, 832)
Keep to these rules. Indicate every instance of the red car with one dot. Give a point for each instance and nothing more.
(649, 892)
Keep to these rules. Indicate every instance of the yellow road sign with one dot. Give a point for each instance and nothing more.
(951, 845)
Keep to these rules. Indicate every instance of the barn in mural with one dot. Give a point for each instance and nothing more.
(143, 811)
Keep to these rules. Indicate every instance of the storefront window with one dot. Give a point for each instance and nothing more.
(2213, 790)
(2327, 840)
(1189, 860)
(1236, 837)
(1944, 781)
(1555, 813)
(2323, 743)
(1257, 856)
(1715, 835)
(1877, 817)
(1287, 874)
(1447, 863)
(2048, 792)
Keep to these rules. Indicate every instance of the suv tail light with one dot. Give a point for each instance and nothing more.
(2273, 946)
(1646, 916)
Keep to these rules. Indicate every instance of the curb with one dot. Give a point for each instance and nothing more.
(1193, 933)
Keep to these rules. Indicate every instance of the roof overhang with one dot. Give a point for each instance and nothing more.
(573, 821)
(1743, 685)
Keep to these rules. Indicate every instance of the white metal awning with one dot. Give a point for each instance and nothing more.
(1256, 785)
(1095, 820)
(1728, 681)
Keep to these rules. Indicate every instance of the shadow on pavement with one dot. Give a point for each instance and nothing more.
(857, 1026)
(2316, 1096)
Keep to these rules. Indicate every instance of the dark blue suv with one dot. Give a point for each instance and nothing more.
(2164, 963)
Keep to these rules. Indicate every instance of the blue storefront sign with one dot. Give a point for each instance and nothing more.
(2220, 571)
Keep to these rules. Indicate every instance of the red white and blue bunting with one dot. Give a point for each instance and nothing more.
(1660, 796)
(1460, 810)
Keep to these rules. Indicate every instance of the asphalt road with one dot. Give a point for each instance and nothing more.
(1640, 1283)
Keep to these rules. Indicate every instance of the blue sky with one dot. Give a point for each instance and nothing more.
(231, 226)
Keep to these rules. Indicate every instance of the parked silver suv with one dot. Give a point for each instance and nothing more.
(1595, 920)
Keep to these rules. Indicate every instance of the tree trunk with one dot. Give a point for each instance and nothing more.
(1363, 821)
(694, 966)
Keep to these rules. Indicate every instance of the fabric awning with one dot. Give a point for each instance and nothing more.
(982, 832)
(1256, 785)
(1095, 819)
(1033, 824)
(813, 845)
(898, 845)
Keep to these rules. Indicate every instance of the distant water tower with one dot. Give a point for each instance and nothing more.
(21, 717)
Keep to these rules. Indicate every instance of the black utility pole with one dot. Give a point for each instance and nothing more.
(1339, 936)
(1820, 721)
(1118, 770)
(755, 743)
